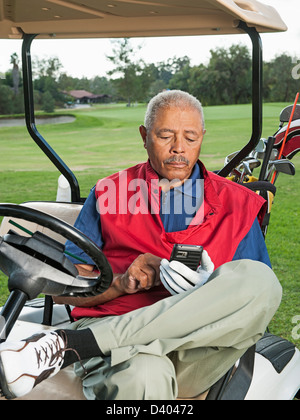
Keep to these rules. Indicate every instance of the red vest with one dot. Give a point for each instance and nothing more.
(129, 204)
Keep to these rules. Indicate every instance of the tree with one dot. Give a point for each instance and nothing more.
(47, 67)
(230, 75)
(180, 80)
(48, 102)
(280, 86)
(200, 83)
(128, 83)
(102, 86)
(226, 79)
(11, 99)
(66, 83)
(47, 72)
(146, 79)
(15, 72)
(6, 100)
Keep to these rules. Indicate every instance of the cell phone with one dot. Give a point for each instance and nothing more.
(190, 255)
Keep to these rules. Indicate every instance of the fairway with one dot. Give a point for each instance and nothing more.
(105, 139)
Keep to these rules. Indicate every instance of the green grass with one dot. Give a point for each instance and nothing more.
(105, 139)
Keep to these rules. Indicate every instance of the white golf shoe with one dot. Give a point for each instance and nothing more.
(24, 364)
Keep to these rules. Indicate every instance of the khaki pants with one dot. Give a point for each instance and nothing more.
(180, 346)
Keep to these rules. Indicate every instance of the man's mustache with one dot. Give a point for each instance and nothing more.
(178, 159)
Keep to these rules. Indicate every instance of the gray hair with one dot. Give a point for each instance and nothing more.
(170, 98)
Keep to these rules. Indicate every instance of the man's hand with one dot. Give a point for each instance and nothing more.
(143, 274)
(178, 278)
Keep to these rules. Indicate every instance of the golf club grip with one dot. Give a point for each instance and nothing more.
(270, 145)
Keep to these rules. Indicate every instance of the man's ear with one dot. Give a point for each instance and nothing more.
(143, 132)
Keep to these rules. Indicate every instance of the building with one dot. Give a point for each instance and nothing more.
(84, 97)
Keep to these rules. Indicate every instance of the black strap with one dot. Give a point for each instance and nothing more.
(262, 186)
(48, 311)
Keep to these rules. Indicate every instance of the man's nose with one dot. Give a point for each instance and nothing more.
(177, 146)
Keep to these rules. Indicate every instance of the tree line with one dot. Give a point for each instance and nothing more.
(226, 79)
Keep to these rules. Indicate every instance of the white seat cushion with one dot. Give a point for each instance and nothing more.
(68, 212)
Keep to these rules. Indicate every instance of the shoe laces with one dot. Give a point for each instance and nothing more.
(53, 351)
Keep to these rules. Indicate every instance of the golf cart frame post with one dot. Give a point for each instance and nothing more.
(257, 99)
(257, 109)
(30, 119)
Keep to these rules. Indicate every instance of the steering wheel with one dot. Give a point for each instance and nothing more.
(31, 274)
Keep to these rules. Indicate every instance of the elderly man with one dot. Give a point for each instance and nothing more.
(162, 330)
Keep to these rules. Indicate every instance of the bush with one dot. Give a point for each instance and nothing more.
(6, 103)
(48, 103)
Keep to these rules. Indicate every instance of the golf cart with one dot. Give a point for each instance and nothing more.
(32, 253)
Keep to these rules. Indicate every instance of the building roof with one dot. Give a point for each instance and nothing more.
(83, 94)
(80, 94)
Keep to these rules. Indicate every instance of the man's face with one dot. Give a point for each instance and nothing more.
(174, 142)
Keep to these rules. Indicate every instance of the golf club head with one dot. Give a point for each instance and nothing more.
(230, 157)
(246, 168)
(260, 150)
(249, 164)
(274, 154)
(283, 166)
(261, 147)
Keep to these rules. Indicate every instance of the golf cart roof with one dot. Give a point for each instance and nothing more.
(133, 18)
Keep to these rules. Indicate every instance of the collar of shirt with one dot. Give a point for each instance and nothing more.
(180, 204)
(189, 186)
(192, 187)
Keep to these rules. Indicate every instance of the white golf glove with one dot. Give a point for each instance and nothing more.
(178, 278)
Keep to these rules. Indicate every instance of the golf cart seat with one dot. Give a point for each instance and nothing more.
(67, 212)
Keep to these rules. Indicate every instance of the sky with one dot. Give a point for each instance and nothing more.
(88, 59)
